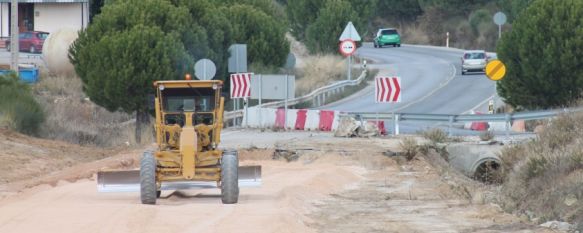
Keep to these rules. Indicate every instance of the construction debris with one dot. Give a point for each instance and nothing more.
(349, 127)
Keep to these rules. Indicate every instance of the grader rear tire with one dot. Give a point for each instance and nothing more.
(229, 177)
(148, 188)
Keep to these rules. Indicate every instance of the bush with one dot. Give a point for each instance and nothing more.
(436, 135)
(18, 108)
(409, 147)
(543, 174)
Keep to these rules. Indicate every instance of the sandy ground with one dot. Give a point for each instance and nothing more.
(337, 185)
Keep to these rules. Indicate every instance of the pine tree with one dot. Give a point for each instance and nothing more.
(544, 56)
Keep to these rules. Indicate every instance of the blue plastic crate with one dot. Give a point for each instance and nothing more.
(27, 75)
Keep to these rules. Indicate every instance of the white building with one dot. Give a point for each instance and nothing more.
(45, 15)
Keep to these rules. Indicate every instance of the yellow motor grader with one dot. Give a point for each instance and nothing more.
(189, 119)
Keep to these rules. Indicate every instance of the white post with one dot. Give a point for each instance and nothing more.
(447, 40)
(285, 102)
(499, 31)
(260, 101)
(349, 67)
(245, 103)
(14, 47)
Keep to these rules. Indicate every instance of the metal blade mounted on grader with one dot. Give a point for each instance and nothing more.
(129, 181)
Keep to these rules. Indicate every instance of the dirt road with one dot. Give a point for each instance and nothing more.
(355, 189)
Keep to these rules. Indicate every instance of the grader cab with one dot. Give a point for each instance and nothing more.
(189, 119)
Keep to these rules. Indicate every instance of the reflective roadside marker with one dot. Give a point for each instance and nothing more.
(495, 70)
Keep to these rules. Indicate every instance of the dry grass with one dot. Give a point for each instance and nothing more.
(435, 135)
(409, 147)
(72, 117)
(545, 176)
(319, 71)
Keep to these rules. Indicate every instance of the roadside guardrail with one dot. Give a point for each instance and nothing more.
(318, 96)
(464, 118)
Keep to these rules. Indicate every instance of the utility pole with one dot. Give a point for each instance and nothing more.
(14, 36)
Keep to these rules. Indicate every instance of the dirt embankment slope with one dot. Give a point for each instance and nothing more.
(27, 161)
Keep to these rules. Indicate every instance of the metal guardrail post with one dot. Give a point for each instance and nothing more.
(450, 127)
(396, 124)
(508, 118)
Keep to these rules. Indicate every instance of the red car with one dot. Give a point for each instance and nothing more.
(30, 41)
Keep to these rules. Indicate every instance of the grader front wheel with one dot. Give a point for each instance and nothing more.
(148, 188)
(229, 177)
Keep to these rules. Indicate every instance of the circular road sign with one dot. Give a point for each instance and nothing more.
(205, 69)
(347, 47)
(495, 70)
(499, 18)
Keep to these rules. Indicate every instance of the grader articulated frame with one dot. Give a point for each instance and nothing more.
(189, 119)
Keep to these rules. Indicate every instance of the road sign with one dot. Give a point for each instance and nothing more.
(347, 47)
(499, 18)
(272, 86)
(238, 58)
(349, 33)
(495, 70)
(388, 89)
(240, 85)
(205, 69)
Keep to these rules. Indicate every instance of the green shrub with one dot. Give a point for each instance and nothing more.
(18, 109)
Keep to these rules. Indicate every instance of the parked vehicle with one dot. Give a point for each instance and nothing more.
(474, 61)
(31, 41)
(387, 36)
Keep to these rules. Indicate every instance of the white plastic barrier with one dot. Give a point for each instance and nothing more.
(261, 117)
(292, 115)
(312, 120)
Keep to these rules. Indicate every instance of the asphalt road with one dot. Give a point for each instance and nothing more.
(431, 82)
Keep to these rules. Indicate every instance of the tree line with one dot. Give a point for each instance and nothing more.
(131, 43)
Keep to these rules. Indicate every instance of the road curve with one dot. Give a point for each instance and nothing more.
(431, 82)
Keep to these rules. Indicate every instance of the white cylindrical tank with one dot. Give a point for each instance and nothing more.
(56, 50)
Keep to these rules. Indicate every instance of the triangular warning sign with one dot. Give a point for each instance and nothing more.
(349, 33)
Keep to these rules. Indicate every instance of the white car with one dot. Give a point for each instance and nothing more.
(474, 61)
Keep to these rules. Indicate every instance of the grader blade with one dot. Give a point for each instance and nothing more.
(129, 181)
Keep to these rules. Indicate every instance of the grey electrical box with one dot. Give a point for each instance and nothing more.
(238, 58)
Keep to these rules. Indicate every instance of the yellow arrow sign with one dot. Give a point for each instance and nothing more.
(495, 70)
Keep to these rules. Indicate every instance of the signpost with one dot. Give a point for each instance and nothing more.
(241, 89)
(495, 70)
(388, 89)
(347, 44)
(499, 19)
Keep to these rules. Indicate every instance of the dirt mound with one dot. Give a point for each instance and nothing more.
(24, 158)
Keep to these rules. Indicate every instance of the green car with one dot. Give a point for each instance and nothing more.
(387, 36)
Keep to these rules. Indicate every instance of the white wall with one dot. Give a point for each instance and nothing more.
(4, 19)
(50, 17)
